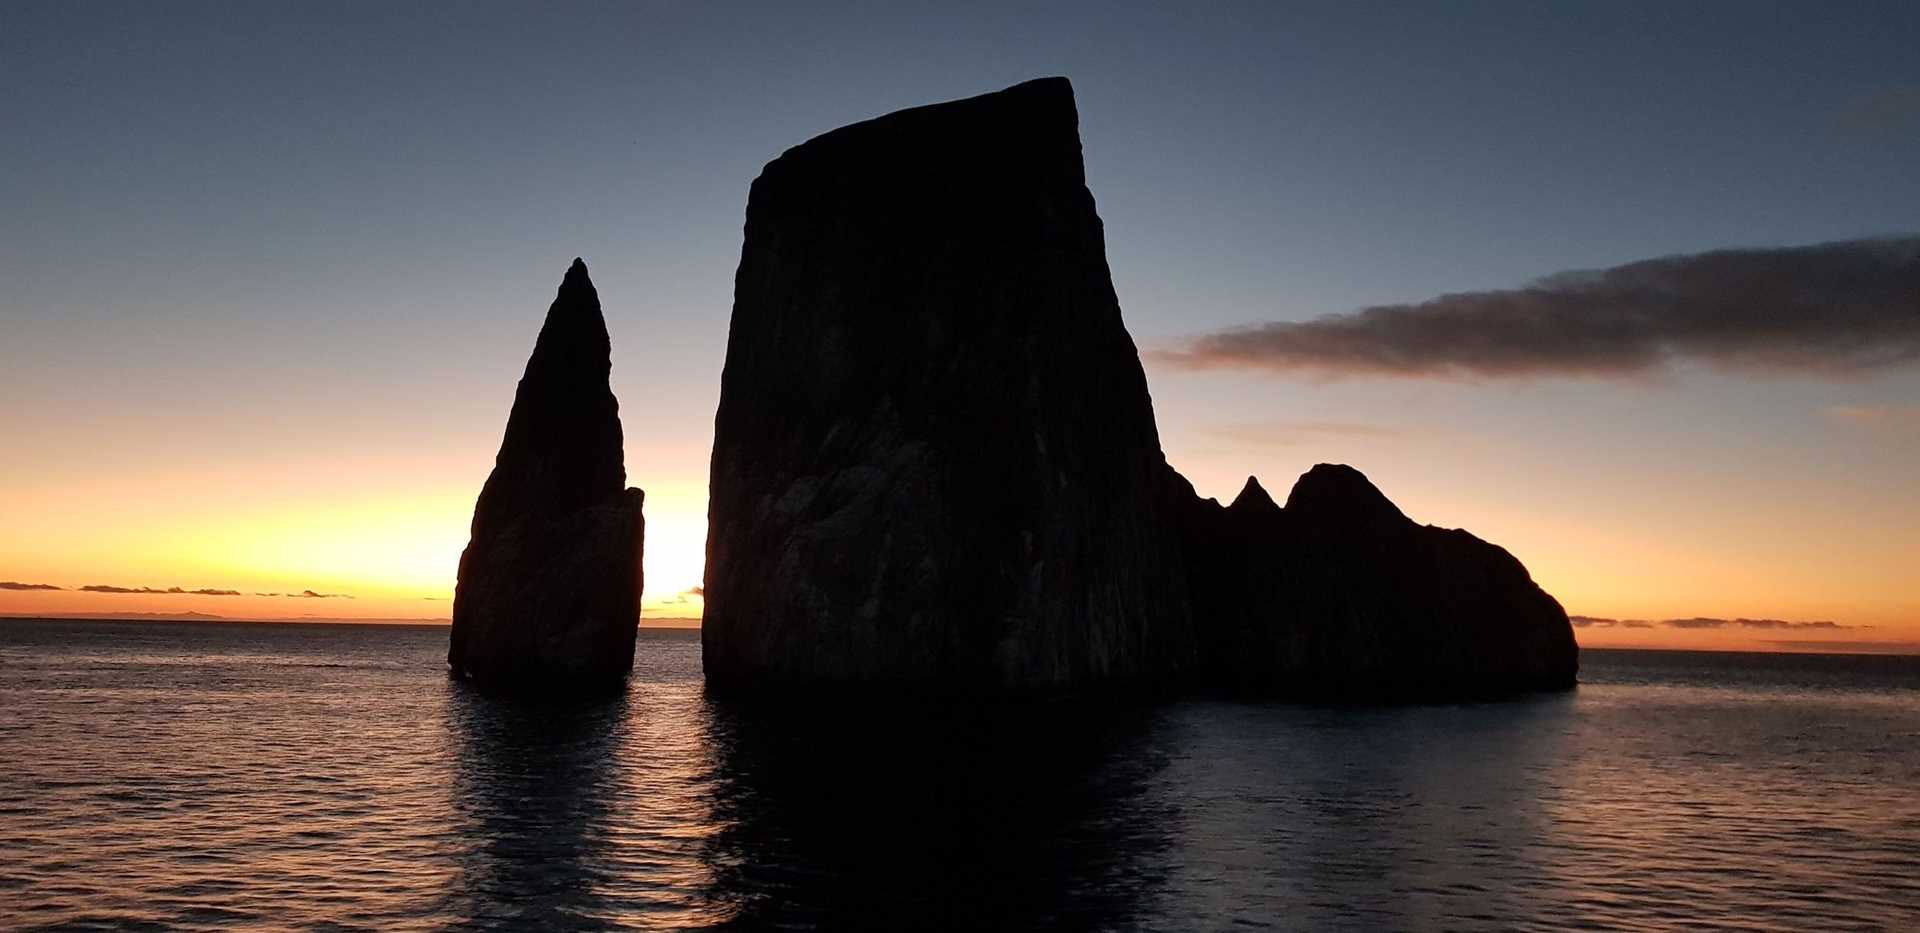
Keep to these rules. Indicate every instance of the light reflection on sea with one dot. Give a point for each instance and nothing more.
(205, 775)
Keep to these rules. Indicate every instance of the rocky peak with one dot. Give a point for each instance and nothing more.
(1335, 492)
(1253, 499)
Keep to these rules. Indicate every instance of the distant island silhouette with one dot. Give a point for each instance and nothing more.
(936, 469)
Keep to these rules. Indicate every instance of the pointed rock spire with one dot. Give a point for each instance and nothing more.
(549, 587)
(563, 446)
(1253, 498)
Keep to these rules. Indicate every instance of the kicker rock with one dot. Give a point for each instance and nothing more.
(935, 463)
(548, 598)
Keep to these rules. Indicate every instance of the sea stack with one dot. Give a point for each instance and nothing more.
(935, 463)
(548, 598)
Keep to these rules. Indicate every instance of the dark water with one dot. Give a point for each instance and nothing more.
(163, 775)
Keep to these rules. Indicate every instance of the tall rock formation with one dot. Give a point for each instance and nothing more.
(935, 460)
(549, 591)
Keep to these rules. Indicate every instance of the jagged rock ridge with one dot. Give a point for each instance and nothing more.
(935, 461)
(1339, 595)
(549, 589)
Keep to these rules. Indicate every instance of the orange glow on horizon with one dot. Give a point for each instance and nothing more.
(387, 531)
(379, 553)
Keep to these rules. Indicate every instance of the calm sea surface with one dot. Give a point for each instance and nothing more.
(209, 775)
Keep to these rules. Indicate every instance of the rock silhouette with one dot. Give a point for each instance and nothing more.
(548, 597)
(936, 466)
(935, 459)
(1339, 595)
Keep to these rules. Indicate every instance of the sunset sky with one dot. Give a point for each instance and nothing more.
(269, 273)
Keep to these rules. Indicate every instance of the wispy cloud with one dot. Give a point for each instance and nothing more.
(1875, 417)
(1773, 624)
(1598, 622)
(169, 591)
(1829, 310)
(1704, 622)
(685, 597)
(158, 591)
(1287, 432)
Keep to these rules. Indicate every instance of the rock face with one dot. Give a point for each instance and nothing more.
(935, 460)
(549, 589)
(1338, 595)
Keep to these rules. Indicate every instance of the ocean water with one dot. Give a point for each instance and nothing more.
(189, 776)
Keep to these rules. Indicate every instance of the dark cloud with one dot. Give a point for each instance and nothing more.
(309, 594)
(10, 585)
(1834, 309)
(686, 596)
(169, 591)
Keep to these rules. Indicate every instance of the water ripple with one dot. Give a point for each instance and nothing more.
(208, 776)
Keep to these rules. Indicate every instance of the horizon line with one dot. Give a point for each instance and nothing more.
(1848, 648)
